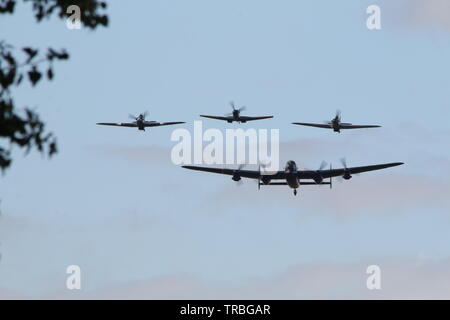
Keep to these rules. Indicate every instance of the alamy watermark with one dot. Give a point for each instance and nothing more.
(374, 19)
(73, 281)
(237, 146)
(374, 280)
(73, 22)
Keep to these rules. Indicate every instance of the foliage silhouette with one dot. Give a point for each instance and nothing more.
(23, 127)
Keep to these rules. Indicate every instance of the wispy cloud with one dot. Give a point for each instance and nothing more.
(377, 193)
(401, 278)
(430, 13)
(420, 14)
(136, 154)
(420, 184)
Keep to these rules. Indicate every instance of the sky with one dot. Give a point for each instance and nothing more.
(140, 227)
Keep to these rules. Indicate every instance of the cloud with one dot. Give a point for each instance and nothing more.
(53, 244)
(35, 252)
(435, 13)
(137, 154)
(394, 191)
(401, 278)
(379, 193)
(414, 139)
(8, 294)
(421, 14)
(420, 184)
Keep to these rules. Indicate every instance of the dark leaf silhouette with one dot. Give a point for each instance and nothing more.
(23, 127)
(7, 6)
(50, 73)
(31, 53)
(19, 79)
(34, 75)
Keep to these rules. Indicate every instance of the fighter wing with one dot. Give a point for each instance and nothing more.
(125, 124)
(252, 174)
(159, 124)
(352, 126)
(244, 118)
(339, 172)
(317, 125)
(217, 117)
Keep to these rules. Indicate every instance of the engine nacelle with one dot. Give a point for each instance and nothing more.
(318, 179)
(265, 180)
(347, 175)
(236, 177)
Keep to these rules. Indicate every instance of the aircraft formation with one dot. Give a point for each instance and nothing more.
(291, 176)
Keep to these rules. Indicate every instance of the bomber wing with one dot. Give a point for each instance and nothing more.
(339, 172)
(252, 174)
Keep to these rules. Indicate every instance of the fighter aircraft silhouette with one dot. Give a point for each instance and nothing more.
(236, 115)
(336, 124)
(292, 176)
(139, 122)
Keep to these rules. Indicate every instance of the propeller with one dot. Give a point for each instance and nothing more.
(337, 116)
(236, 176)
(233, 106)
(263, 166)
(318, 177)
(322, 165)
(141, 116)
(347, 175)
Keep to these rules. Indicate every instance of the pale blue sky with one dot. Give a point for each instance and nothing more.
(112, 202)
